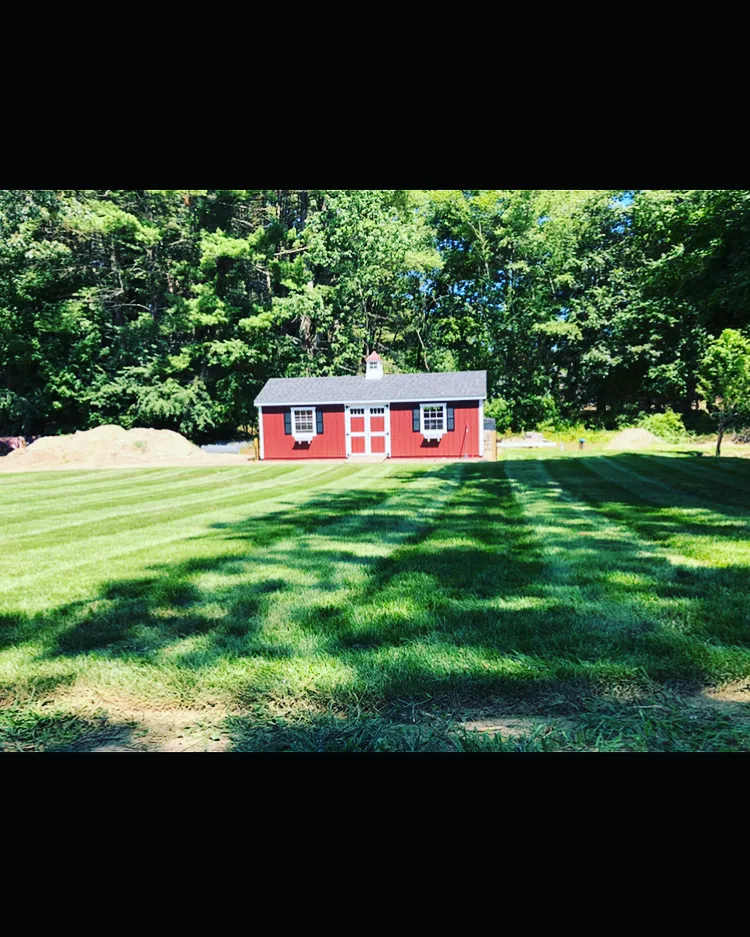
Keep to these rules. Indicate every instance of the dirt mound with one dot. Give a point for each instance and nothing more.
(105, 445)
(633, 439)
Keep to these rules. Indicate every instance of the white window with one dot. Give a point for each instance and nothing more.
(303, 422)
(373, 366)
(357, 411)
(433, 419)
(377, 411)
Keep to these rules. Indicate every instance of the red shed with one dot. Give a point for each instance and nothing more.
(393, 415)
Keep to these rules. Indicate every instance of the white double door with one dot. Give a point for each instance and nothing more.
(368, 430)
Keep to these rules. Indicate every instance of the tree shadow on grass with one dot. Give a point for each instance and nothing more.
(659, 504)
(36, 729)
(662, 722)
(718, 485)
(364, 598)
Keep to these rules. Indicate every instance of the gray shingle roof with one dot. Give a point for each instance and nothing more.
(437, 386)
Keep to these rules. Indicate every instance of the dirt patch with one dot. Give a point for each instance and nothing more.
(153, 730)
(516, 726)
(732, 693)
(634, 439)
(109, 447)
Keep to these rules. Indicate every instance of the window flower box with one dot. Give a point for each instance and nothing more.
(433, 423)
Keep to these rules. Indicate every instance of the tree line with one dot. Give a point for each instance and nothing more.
(171, 308)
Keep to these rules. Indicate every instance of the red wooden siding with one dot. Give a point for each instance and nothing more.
(405, 443)
(330, 445)
(463, 440)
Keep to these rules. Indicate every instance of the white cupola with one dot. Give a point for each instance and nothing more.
(374, 366)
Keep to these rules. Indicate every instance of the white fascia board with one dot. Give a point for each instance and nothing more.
(481, 428)
(366, 403)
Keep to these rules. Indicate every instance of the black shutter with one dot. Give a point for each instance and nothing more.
(287, 422)
(451, 422)
(415, 420)
(319, 422)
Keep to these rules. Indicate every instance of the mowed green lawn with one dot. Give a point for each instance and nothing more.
(545, 602)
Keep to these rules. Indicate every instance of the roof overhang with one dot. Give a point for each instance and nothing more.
(358, 401)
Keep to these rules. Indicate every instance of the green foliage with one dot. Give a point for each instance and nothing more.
(725, 380)
(668, 426)
(176, 305)
(501, 411)
(16, 413)
(725, 377)
(571, 432)
(138, 396)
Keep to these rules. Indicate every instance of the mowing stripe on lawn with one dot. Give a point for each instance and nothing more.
(587, 614)
(24, 478)
(140, 488)
(44, 487)
(698, 473)
(59, 481)
(59, 505)
(690, 536)
(633, 609)
(547, 503)
(728, 523)
(658, 491)
(401, 583)
(661, 471)
(166, 495)
(317, 568)
(143, 517)
(729, 466)
(333, 566)
(96, 481)
(556, 515)
(147, 514)
(53, 560)
(49, 498)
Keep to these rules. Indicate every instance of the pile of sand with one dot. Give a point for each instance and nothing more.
(634, 439)
(105, 446)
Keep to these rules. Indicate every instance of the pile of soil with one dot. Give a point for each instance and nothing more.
(105, 446)
(634, 439)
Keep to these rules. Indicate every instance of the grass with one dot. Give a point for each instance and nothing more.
(547, 602)
(570, 436)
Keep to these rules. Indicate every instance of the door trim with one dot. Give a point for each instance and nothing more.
(367, 432)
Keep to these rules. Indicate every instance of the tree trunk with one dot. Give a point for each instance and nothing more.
(690, 396)
(720, 437)
(119, 315)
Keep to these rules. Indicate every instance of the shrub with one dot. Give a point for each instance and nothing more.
(501, 411)
(667, 426)
(521, 413)
(571, 432)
